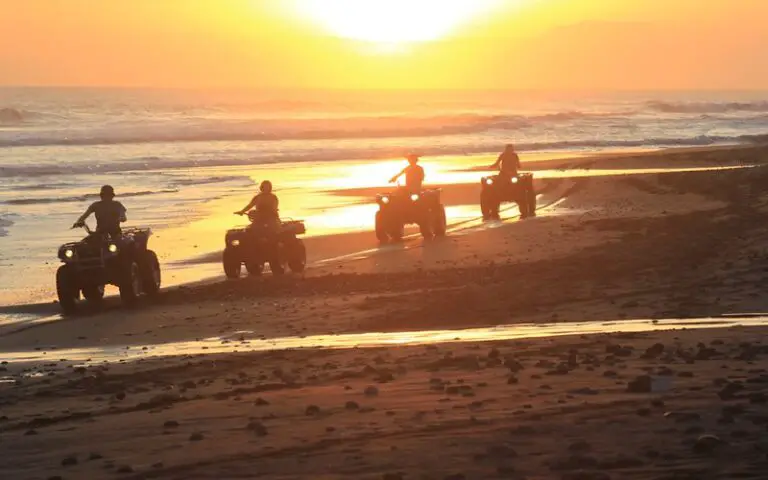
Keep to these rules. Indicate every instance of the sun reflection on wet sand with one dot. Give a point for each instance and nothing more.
(246, 341)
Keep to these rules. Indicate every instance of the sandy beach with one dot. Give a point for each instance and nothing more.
(675, 238)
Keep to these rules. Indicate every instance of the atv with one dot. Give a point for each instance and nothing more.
(265, 242)
(403, 207)
(100, 259)
(502, 188)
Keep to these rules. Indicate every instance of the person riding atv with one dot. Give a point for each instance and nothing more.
(267, 240)
(108, 255)
(265, 205)
(508, 162)
(508, 186)
(109, 213)
(414, 174)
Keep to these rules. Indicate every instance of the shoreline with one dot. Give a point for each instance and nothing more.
(462, 196)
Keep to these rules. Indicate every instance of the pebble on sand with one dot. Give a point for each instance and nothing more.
(371, 391)
(312, 410)
(258, 428)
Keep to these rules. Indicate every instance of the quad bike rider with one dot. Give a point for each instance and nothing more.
(410, 204)
(266, 240)
(109, 255)
(508, 186)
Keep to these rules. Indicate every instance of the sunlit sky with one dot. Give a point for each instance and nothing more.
(547, 44)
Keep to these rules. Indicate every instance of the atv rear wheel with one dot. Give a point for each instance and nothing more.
(66, 289)
(232, 264)
(440, 222)
(297, 256)
(396, 231)
(277, 268)
(254, 268)
(130, 284)
(151, 276)
(93, 293)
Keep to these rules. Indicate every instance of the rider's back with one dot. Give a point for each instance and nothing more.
(509, 163)
(414, 177)
(109, 214)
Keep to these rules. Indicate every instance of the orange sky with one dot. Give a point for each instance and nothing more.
(563, 44)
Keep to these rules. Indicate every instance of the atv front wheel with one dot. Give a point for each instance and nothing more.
(232, 264)
(487, 205)
(425, 228)
(130, 284)
(531, 202)
(381, 229)
(297, 256)
(66, 289)
(151, 277)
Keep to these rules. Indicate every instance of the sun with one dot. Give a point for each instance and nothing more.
(393, 21)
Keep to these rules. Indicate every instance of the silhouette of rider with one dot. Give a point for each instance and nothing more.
(414, 174)
(265, 203)
(508, 162)
(109, 213)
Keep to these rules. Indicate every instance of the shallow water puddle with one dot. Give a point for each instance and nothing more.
(246, 341)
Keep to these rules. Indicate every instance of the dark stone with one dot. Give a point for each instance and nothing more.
(706, 444)
(654, 351)
(730, 390)
(641, 384)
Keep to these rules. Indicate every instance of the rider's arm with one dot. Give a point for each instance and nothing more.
(402, 172)
(84, 216)
(123, 217)
(498, 162)
(249, 206)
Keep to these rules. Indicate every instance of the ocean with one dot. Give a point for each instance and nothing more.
(180, 159)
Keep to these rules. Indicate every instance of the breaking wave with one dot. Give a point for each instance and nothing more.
(80, 198)
(4, 223)
(708, 107)
(362, 153)
(209, 130)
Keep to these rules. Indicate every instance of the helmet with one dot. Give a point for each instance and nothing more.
(510, 147)
(412, 158)
(107, 191)
(266, 186)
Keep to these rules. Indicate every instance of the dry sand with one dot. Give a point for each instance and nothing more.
(671, 245)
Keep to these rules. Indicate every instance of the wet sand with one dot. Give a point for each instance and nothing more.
(659, 246)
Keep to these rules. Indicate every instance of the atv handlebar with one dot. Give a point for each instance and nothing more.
(82, 225)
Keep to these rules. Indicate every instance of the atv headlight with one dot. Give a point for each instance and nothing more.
(385, 200)
(112, 248)
(515, 180)
(69, 253)
(415, 197)
(489, 181)
(235, 243)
